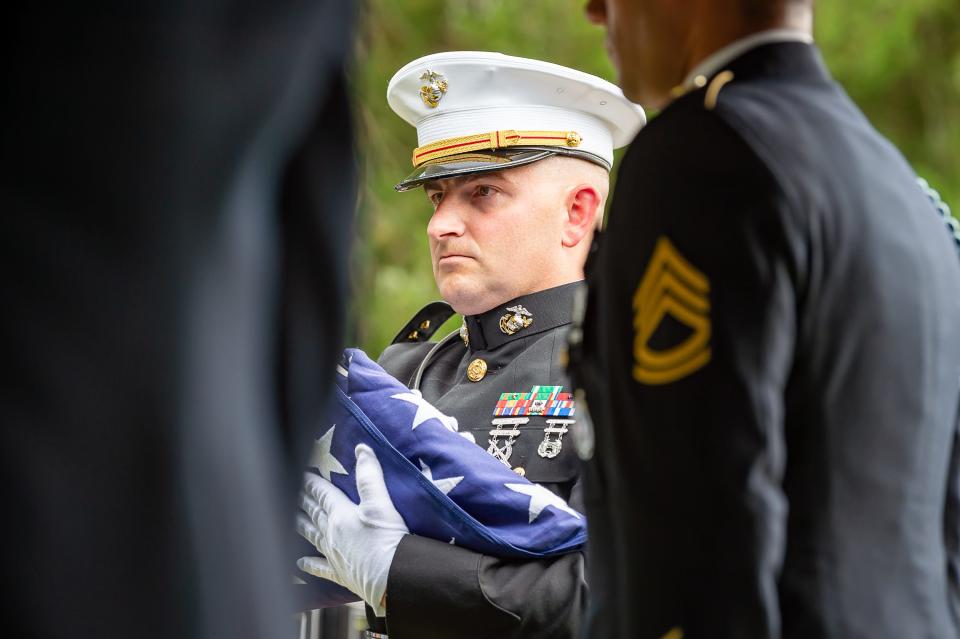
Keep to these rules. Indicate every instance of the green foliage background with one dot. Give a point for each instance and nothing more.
(898, 59)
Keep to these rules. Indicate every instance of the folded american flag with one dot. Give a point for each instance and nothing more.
(444, 485)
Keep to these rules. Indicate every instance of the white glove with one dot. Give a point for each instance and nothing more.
(358, 542)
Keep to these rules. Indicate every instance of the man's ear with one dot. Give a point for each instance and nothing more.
(583, 206)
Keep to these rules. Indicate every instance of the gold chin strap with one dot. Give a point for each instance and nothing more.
(493, 140)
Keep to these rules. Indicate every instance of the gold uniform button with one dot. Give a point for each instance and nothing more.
(520, 471)
(476, 370)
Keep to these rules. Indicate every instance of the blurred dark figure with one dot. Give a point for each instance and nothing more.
(771, 349)
(177, 194)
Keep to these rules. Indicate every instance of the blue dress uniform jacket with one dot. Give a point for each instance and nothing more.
(772, 363)
(439, 590)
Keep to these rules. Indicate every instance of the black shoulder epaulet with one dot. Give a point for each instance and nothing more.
(425, 323)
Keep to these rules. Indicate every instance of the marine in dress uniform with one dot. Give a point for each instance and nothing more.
(437, 589)
(772, 365)
(479, 112)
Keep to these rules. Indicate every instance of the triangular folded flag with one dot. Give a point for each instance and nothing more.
(444, 485)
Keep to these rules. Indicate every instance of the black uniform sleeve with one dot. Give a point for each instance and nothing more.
(478, 596)
(701, 317)
(437, 590)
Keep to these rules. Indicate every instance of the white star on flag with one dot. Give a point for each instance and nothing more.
(322, 459)
(426, 411)
(540, 498)
(446, 484)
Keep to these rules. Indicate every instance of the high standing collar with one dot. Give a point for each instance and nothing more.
(548, 309)
(718, 60)
(796, 60)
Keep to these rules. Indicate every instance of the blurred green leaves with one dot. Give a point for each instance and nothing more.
(900, 61)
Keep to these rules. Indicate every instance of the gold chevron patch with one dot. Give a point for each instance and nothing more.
(670, 286)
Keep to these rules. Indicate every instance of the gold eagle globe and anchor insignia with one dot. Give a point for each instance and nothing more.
(670, 286)
(432, 92)
(516, 319)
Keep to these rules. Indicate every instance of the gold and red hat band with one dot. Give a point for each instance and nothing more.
(493, 140)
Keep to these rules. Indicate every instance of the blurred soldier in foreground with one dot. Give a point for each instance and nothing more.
(173, 296)
(514, 156)
(773, 354)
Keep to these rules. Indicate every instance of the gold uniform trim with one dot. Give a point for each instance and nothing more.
(713, 91)
(493, 140)
(670, 285)
(467, 157)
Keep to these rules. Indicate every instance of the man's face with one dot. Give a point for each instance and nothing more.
(496, 236)
(645, 40)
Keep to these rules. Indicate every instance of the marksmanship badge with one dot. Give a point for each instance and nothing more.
(505, 427)
(432, 92)
(550, 448)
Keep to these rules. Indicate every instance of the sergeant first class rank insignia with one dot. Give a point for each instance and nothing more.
(670, 286)
(514, 409)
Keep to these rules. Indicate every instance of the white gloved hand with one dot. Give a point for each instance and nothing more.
(358, 542)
